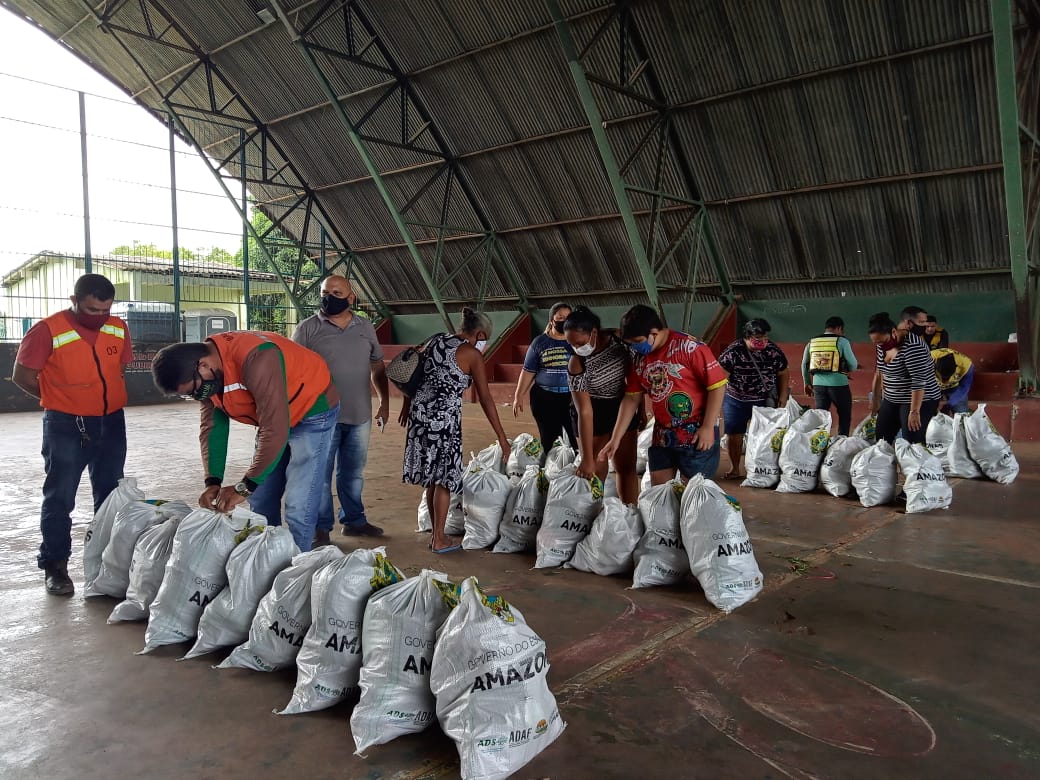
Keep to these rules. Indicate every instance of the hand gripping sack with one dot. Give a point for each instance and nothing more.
(100, 529)
(526, 451)
(924, 482)
(130, 522)
(147, 568)
(329, 662)
(489, 458)
(195, 573)
(867, 429)
(283, 616)
(721, 556)
(251, 569)
(988, 448)
(873, 474)
(489, 678)
(837, 463)
(959, 462)
(570, 508)
(484, 496)
(523, 516)
(643, 441)
(805, 443)
(660, 556)
(938, 438)
(765, 436)
(455, 522)
(423, 521)
(608, 548)
(397, 640)
(560, 457)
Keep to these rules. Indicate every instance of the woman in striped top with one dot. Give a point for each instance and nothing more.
(906, 394)
(598, 372)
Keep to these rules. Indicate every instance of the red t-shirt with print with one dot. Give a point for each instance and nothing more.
(677, 377)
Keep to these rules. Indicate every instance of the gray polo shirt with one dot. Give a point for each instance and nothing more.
(350, 353)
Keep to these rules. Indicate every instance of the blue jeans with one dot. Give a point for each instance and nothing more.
(299, 478)
(957, 397)
(65, 454)
(686, 458)
(347, 456)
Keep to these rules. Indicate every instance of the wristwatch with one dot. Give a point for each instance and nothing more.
(243, 489)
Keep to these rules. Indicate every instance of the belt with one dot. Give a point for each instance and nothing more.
(554, 389)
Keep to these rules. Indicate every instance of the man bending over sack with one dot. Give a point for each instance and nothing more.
(286, 391)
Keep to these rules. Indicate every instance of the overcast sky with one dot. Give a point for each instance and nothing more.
(41, 191)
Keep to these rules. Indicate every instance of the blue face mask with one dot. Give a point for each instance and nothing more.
(642, 347)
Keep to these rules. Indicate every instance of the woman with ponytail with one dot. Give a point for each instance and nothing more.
(433, 448)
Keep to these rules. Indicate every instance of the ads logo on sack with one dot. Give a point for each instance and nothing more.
(818, 443)
(777, 441)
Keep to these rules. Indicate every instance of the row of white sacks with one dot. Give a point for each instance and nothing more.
(569, 521)
(418, 649)
(791, 450)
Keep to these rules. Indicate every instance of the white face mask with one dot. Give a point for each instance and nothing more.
(481, 345)
(585, 349)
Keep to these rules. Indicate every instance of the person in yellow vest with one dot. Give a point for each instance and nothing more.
(282, 388)
(936, 335)
(955, 372)
(826, 363)
(73, 361)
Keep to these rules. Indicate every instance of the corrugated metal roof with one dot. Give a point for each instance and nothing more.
(830, 140)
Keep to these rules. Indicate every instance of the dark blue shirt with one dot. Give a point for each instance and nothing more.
(547, 359)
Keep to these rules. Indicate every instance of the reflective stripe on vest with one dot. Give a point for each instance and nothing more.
(236, 386)
(65, 338)
(112, 330)
(824, 355)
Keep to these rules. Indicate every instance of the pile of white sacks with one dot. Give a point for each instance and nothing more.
(581, 523)
(416, 650)
(790, 450)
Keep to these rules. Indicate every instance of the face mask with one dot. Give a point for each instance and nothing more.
(919, 330)
(642, 347)
(481, 345)
(758, 344)
(331, 305)
(91, 321)
(585, 349)
(890, 343)
(205, 390)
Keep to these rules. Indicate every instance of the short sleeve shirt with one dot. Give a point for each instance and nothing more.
(547, 359)
(37, 345)
(752, 375)
(604, 374)
(677, 377)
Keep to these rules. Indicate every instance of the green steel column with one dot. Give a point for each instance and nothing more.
(1026, 310)
(87, 260)
(245, 227)
(606, 154)
(173, 227)
(366, 158)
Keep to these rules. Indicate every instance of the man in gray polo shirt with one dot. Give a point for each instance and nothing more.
(349, 345)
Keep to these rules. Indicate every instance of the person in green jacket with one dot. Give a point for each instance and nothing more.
(826, 363)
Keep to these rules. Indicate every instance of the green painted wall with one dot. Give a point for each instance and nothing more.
(611, 316)
(982, 316)
(415, 328)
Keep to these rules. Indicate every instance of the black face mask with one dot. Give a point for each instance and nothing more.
(331, 305)
(919, 330)
(558, 326)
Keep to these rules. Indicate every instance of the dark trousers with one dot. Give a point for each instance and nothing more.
(67, 451)
(552, 413)
(841, 397)
(892, 418)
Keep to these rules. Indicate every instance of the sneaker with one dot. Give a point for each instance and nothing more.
(321, 539)
(57, 580)
(362, 530)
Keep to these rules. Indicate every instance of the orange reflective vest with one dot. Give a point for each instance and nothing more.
(306, 375)
(83, 379)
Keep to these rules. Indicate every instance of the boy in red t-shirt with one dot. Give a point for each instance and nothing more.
(686, 386)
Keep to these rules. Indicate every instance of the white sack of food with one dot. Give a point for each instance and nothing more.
(485, 493)
(424, 522)
(959, 462)
(495, 704)
(195, 572)
(570, 508)
(251, 569)
(610, 485)
(718, 544)
(525, 450)
(329, 662)
(924, 482)
(938, 438)
(455, 521)
(147, 569)
(645, 482)
(489, 458)
(283, 616)
(762, 444)
(559, 458)
(866, 429)
(611, 542)
(130, 522)
(397, 641)
(835, 476)
(660, 556)
(643, 442)
(523, 516)
(802, 451)
(873, 474)
(988, 448)
(100, 529)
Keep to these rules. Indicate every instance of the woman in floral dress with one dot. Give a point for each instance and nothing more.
(433, 448)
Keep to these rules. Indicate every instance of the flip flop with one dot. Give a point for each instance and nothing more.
(443, 550)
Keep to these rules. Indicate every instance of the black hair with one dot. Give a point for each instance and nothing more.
(931, 318)
(880, 323)
(911, 312)
(834, 322)
(582, 319)
(557, 306)
(94, 285)
(639, 321)
(174, 365)
(756, 327)
(946, 365)
(473, 320)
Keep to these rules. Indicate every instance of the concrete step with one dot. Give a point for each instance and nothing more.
(508, 372)
(987, 356)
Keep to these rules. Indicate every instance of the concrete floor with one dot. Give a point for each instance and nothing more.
(884, 645)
